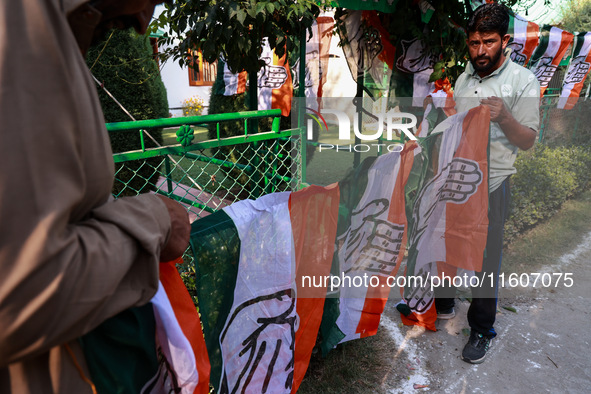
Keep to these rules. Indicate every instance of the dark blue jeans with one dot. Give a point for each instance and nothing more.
(483, 309)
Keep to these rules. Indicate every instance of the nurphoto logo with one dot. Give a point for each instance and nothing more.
(383, 127)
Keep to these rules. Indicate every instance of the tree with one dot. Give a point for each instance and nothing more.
(235, 29)
(576, 15)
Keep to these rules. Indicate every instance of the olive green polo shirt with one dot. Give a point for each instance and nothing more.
(520, 91)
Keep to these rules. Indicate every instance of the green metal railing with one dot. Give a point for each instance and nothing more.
(177, 158)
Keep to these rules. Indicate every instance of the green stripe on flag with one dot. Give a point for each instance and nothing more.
(352, 188)
(216, 248)
(121, 352)
(542, 46)
(579, 41)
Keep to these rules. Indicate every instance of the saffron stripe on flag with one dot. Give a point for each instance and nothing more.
(314, 216)
(188, 318)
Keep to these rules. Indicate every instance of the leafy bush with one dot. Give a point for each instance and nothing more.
(546, 177)
(193, 106)
(124, 62)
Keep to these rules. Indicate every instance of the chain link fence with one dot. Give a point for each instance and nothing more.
(175, 158)
(565, 127)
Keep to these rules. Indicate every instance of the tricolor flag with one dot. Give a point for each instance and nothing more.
(275, 85)
(416, 59)
(179, 337)
(525, 36)
(449, 222)
(232, 83)
(577, 71)
(370, 245)
(368, 50)
(553, 45)
(154, 349)
(275, 88)
(260, 319)
(317, 56)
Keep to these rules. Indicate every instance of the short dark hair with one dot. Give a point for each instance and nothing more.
(490, 17)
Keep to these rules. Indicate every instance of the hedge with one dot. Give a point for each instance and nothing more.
(129, 72)
(546, 177)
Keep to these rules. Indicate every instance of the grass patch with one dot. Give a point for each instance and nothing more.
(545, 243)
(358, 366)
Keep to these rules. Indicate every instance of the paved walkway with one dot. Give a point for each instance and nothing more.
(543, 347)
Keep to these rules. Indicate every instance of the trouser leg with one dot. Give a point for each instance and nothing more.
(445, 293)
(483, 309)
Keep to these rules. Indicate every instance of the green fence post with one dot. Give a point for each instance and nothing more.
(302, 110)
(142, 142)
(168, 173)
(545, 109)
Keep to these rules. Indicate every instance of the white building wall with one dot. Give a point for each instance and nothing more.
(176, 81)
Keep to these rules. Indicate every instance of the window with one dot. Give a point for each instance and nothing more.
(201, 73)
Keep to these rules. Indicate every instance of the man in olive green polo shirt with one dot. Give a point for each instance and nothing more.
(512, 93)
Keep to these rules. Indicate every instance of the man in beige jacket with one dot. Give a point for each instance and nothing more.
(70, 256)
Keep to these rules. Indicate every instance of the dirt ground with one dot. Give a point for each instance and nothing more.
(541, 347)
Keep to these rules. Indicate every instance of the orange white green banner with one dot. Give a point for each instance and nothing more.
(577, 71)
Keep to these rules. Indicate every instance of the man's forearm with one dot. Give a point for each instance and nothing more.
(519, 135)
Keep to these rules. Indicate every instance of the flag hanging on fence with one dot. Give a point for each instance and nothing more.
(260, 322)
(449, 220)
(525, 36)
(179, 335)
(577, 71)
(553, 45)
(370, 246)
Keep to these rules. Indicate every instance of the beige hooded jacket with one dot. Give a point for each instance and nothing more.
(70, 256)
